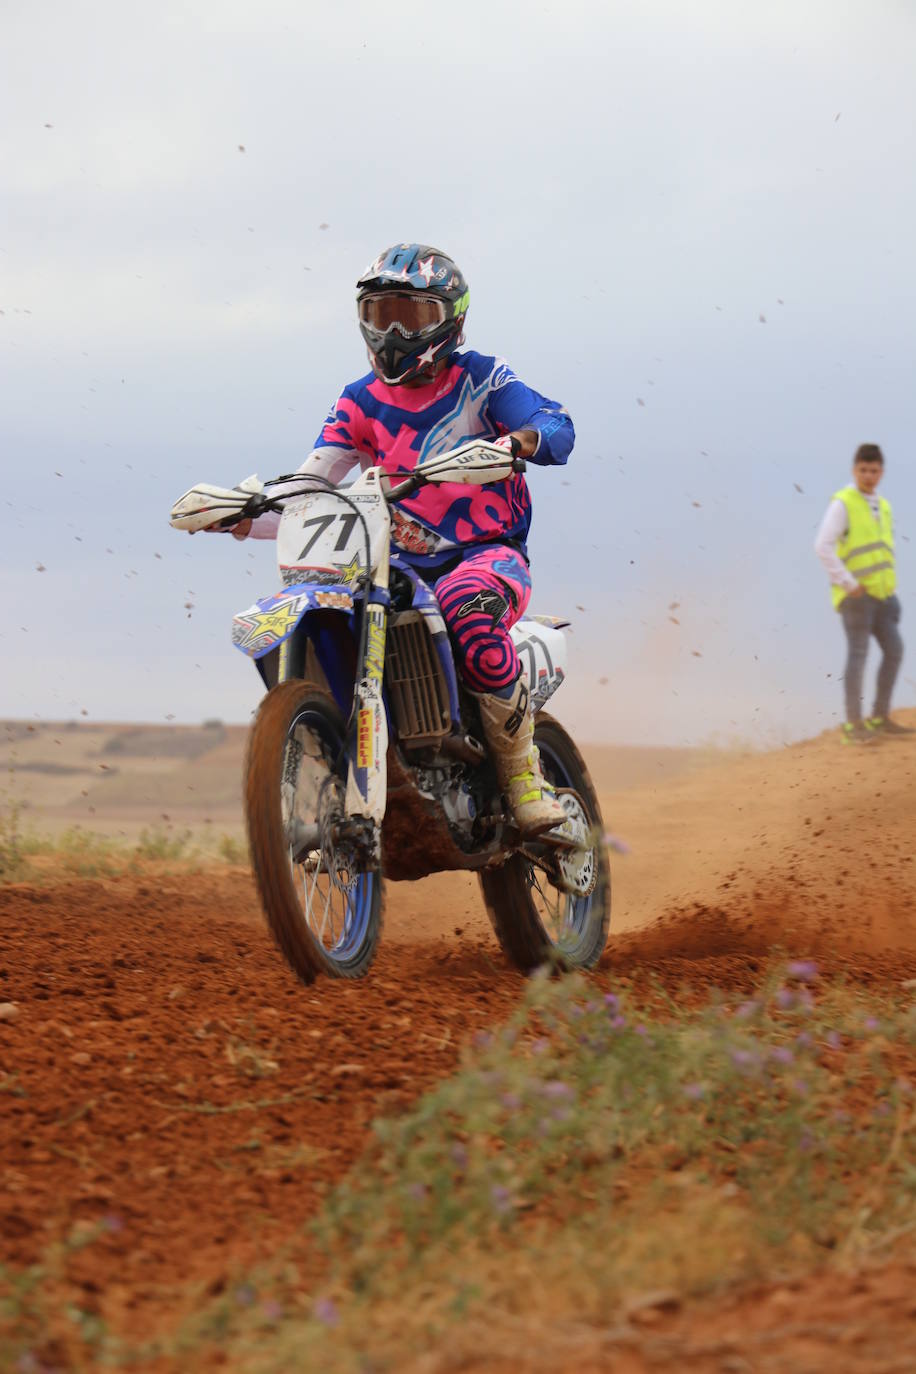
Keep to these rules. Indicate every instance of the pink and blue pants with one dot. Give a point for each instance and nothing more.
(481, 599)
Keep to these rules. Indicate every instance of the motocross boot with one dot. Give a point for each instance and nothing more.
(508, 724)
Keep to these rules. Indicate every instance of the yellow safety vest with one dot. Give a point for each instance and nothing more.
(867, 548)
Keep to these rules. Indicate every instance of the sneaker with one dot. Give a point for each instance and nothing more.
(883, 725)
(857, 732)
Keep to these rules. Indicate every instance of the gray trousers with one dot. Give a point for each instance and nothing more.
(864, 616)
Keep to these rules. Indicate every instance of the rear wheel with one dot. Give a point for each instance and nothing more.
(322, 900)
(535, 919)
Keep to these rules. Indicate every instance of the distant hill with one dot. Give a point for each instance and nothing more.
(123, 776)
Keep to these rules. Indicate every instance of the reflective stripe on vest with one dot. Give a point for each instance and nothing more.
(867, 548)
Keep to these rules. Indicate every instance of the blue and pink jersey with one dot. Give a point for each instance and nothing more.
(397, 427)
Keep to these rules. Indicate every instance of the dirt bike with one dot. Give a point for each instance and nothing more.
(366, 758)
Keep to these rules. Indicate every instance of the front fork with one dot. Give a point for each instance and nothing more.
(367, 777)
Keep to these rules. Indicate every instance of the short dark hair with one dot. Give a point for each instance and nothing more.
(868, 453)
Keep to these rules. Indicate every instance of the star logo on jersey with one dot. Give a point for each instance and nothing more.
(425, 269)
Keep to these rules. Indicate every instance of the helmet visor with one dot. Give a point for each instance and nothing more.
(410, 315)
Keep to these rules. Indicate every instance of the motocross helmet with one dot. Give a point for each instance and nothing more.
(412, 301)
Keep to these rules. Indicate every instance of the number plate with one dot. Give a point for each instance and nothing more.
(321, 534)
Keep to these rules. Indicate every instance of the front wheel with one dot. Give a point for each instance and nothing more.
(323, 902)
(535, 920)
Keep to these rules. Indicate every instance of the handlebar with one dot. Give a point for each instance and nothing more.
(261, 503)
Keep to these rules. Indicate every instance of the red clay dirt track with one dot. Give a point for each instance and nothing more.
(159, 1041)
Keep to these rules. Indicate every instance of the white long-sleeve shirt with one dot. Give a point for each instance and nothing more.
(332, 464)
(834, 526)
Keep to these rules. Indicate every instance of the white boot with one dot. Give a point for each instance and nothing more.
(508, 724)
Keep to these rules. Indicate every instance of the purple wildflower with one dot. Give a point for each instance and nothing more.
(903, 1086)
(555, 1087)
(694, 1091)
(803, 970)
(27, 1364)
(482, 1039)
(871, 1023)
(612, 1001)
(618, 1022)
(806, 1141)
(511, 1101)
(747, 1010)
(325, 1311)
(244, 1295)
(782, 1054)
(641, 1030)
(743, 1059)
(834, 1040)
(459, 1154)
(272, 1310)
(804, 1040)
(416, 1191)
(799, 1087)
(540, 1046)
(784, 999)
(502, 1202)
(113, 1223)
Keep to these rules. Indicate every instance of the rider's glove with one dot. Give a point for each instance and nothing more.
(508, 441)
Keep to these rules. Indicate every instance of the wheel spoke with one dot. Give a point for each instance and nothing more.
(327, 908)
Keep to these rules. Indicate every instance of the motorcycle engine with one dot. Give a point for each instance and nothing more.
(445, 786)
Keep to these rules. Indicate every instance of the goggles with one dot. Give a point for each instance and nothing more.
(409, 315)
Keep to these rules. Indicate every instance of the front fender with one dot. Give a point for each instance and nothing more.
(269, 622)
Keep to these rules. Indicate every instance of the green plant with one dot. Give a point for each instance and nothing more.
(12, 855)
(158, 843)
(231, 850)
(41, 1326)
(578, 1155)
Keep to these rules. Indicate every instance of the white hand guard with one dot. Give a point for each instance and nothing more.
(475, 462)
(205, 507)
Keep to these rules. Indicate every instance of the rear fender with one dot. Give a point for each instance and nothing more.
(541, 646)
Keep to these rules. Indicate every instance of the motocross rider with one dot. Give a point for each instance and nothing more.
(422, 398)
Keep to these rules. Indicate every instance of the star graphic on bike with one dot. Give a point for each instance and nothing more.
(265, 626)
(352, 571)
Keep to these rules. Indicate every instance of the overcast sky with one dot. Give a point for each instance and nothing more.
(693, 224)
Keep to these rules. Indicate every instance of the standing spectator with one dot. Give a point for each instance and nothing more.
(855, 543)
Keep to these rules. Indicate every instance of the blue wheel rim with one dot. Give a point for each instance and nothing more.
(578, 909)
(360, 899)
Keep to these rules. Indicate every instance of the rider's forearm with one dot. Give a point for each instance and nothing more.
(329, 463)
(555, 437)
